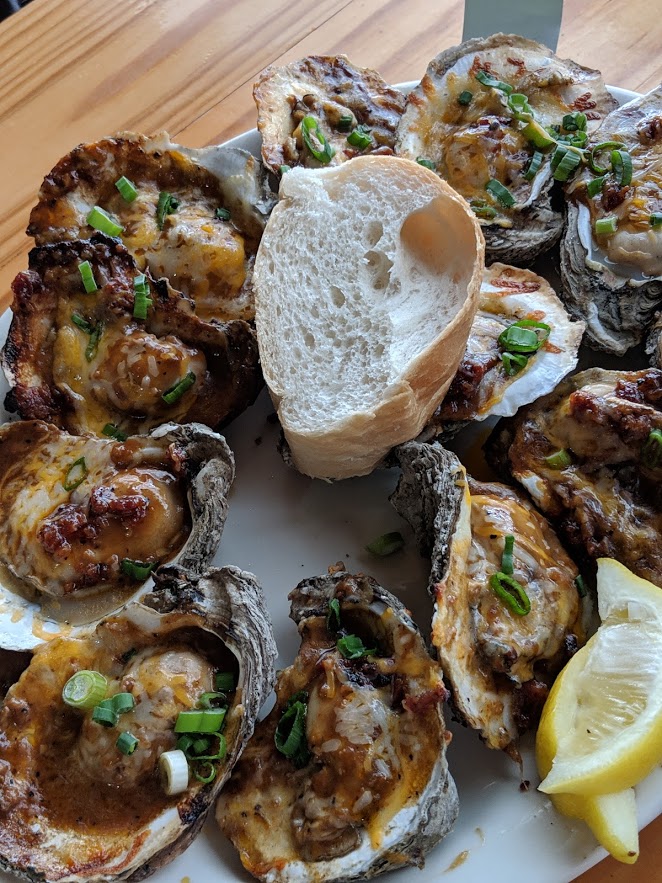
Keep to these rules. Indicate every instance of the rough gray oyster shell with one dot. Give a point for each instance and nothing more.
(654, 342)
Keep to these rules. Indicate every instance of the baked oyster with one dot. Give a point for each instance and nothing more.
(322, 110)
(194, 216)
(82, 801)
(480, 116)
(611, 251)
(347, 776)
(492, 380)
(84, 521)
(507, 612)
(590, 455)
(132, 354)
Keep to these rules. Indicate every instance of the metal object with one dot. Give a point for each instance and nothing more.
(537, 19)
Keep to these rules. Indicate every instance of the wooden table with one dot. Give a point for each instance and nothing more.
(75, 70)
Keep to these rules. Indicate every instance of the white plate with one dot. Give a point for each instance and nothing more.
(284, 527)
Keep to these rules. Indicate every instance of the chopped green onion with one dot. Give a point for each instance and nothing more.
(592, 161)
(582, 591)
(188, 722)
(507, 557)
(220, 753)
(76, 474)
(535, 133)
(222, 214)
(126, 188)
(500, 193)
(319, 147)
(210, 699)
(492, 82)
(574, 122)
(360, 137)
(352, 647)
(426, 163)
(655, 219)
(224, 680)
(386, 544)
(511, 593)
(333, 615)
(290, 735)
(105, 716)
(208, 777)
(519, 105)
(112, 431)
(138, 570)
(198, 746)
(185, 742)
(345, 122)
(93, 343)
(524, 336)
(465, 98)
(567, 164)
(175, 392)
(82, 323)
(595, 186)
(126, 743)
(141, 298)
(559, 460)
(284, 168)
(605, 226)
(212, 720)
(166, 205)
(621, 163)
(483, 209)
(123, 702)
(579, 139)
(102, 221)
(651, 452)
(173, 771)
(513, 363)
(85, 689)
(87, 275)
(534, 165)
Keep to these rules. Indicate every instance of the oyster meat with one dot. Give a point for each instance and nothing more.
(498, 662)
(83, 361)
(203, 240)
(603, 483)
(367, 787)
(487, 384)
(473, 133)
(612, 278)
(73, 807)
(84, 521)
(339, 98)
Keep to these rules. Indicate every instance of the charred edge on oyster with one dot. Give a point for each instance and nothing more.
(337, 810)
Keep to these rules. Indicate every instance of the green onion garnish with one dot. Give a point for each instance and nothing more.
(210, 699)
(126, 188)
(284, 168)
(112, 431)
(513, 363)
(200, 746)
(524, 336)
(87, 275)
(592, 161)
(426, 163)
(188, 722)
(175, 392)
(126, 743)
(224, 681)
(511, 593)
(507, 557)
(483, 209)
(655, 219)
(595, 186)
(185, 742)
(465, 98)
(333, 615)
(222, 214)
(82, 323)
(559, 460)
(345, 122)
(102, 221)
(535, 133)
(492, 82)
(137, 570)
(574, 122)
(166, 205)
(651, 452)
(123, 702)
(197, 746)
(93, 343)
(534, 165)
(500, 193)
(360, 137)
(205, 773)
(104, 715)
(621, 163)
(209, 720)
(76, 474)
(568, 162)
(519, 106)
(141, 298)
(85, 689)
(352, 647)
(315, 140)
(605, 226)
(290, 735)
(386, 544)
(581, 586)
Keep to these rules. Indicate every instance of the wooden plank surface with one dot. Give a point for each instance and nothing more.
(76, 70)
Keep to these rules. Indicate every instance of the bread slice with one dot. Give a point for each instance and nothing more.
(366, 284)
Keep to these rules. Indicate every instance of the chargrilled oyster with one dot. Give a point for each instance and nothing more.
(611, 252)
(500, 646)
(480, 117)
(347, 777)
(84, 360)
(590, 455)
(85, 521)
(492, 380)
(322, 110)
(196, 218)
(76, 807)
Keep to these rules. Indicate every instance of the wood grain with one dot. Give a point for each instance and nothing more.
(75, 70)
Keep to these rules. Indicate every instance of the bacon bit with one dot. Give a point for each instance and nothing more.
(518, 63)
(67, 523)
(646, 389)
(420, 704)
(650, 130)
(177, 457)
(551, 347)
(536, 315)
(613, 195)
(479, 65)
(593, 115)
(584, 102)
(104, 501)
(514, 285)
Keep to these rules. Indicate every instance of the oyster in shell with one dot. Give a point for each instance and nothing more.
(498, 663)
(482, 387)
(368, 788)
(471, 134)
(84, 521)
(73, 807)
(613, 280)
(204, 253)
(606, 493)
(339, 96)
(83, 360)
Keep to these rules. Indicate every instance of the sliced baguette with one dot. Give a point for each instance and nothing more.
(366, 284)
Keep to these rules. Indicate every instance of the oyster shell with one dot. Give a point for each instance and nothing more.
(209, 258)
(499, 665)
(151, 499)
(654, 342)
(82, 361)
(481, 387)
(72, 806)
(327, 87)
(614, 281)
(371, 791)
(470, 144)
(608, 499)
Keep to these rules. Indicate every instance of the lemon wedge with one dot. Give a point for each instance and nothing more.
(602, 722)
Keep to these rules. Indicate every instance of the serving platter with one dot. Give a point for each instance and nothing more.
(284, 527)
